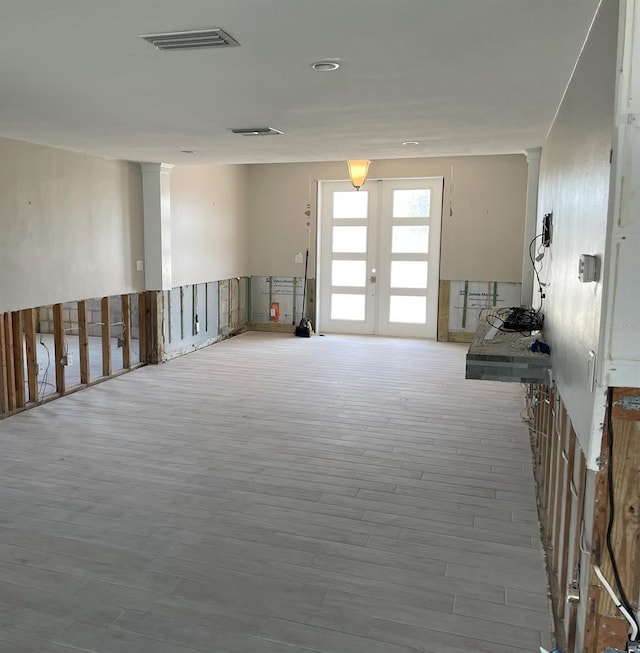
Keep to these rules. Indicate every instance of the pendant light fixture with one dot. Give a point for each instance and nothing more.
(358, 169)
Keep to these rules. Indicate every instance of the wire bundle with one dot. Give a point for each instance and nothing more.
(522, 320)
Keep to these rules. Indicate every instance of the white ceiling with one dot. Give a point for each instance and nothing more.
(460, 76)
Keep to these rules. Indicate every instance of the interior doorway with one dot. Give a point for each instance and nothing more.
(379, 253)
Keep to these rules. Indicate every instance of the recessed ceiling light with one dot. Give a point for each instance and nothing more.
(410, 142)
(325, 66)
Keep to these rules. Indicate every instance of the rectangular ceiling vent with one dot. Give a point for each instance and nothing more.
(256, 131)
(215, 37)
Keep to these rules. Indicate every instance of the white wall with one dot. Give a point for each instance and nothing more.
(209, 223)
(70, 226)
(574, 185)
(482, 226)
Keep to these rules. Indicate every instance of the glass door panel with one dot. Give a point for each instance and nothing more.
(409, 247)
(349, 239)
(412, 203)
(409, 274)
(349, 273)
(347, 250)
(347, 204)
(407, 310)
(412, 239)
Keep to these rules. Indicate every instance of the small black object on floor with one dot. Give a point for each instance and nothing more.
(303, 330)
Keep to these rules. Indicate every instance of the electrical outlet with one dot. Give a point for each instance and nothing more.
(196, 327)
(67, 360)
(120, 343)
(40, 369)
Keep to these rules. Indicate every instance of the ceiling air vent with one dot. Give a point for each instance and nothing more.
(191, 40)
(256, 131)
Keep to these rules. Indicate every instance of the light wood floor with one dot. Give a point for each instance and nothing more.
(271, 493)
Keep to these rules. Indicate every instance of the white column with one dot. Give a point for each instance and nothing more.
(156, 193)
(530, 223)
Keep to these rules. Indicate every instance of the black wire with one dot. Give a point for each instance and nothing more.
(535, 270)
(516, 319)
(614, 566)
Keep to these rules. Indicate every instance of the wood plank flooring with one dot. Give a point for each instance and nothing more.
(274, 494)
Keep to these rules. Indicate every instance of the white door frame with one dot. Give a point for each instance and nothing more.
(377, 239)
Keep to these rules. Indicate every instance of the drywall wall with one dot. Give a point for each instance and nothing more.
(208, 223)
(70, 226)
(574, 185)
(482, 224)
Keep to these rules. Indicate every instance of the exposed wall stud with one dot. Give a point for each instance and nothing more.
(29, 320)
(566, 523)
(143, 327)
(105, 306)
(126, 331)
(4, 384)
(443, 310)
(59, 347)
(9, 353)
(83, 342)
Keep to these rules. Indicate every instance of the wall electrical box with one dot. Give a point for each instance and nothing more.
(547, 227)
(587, 268)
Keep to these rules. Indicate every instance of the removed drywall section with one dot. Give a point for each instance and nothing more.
(190, 316)
(71, 226)
(482, 226)
(209, 224)
(468, 298)
(276, 300)
(94, 317)
(198, 315)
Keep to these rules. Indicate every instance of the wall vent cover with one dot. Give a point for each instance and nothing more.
(215, 37)
(256, 131)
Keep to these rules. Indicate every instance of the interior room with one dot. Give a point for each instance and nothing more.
(178, 201)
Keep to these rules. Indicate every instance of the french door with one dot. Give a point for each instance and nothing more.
(379, 257)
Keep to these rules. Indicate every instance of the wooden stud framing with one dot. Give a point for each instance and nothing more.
(83, 342)
(126, 331)
(604, 625)
(551, 486)
(563, 440)
(143, 329)
(443, 310)
(619, 410)
(548, 446)
(155, 334)
(4, 383)
(105, 306)
(11, 377)
(18, 358)
(29, 321)
(556, 480)
(59, 347)
(566, 523)
(573, 609)
(562, 472)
